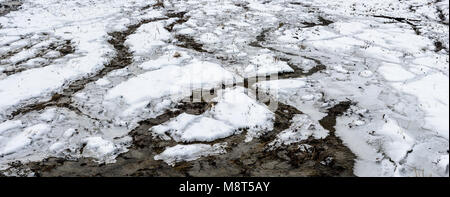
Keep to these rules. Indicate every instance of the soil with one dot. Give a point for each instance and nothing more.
(325, 157)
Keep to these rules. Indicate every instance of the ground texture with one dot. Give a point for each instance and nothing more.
(224, 88)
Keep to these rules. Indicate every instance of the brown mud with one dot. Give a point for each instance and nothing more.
(325, 157)
(122, 59)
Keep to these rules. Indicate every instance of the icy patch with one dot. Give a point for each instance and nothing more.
(433, 93)
(102, 82)
(147, 38)
(98, 147)
(394, 72)
(10, 124)
(179, 153)
(191, 128)
(234, 111)
(240, 111)
(281, 86)
(266, 64)
(301, 129)
(170, 58)
(57, 132)
(24, 138)
(366, 73)
(85, 24)
(209, 38)
(397, 141)
(171, 80)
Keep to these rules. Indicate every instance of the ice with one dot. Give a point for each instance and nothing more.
(102, 82)
(24, 138)
(172, 58)
(398, 142)
(82, 22)
(394, 72)
(147, 38)
(432, 92)
(171, 80)
(234, 111)
(191, 128)
(69, 133)
(265, 64)
(98, 147)
(48, 115)
(179, 153)
(388, 58)
(301, 129)
(281, 86)
(239, 110)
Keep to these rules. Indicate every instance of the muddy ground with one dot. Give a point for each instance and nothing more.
(325, 157)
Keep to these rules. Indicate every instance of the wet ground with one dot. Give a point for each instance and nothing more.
(8, 6)
(324, 157)
(328, 156)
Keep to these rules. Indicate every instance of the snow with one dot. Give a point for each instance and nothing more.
(69, 133)
(24, 138)
(394, 71)
(366, 73)
(240, 111)
(301, 129)
(171, 58)
(432, 92)
(97, 147)
(56, 147)
(9, 124)
(147, 38)
(82, 22)
(48, 115)
(209, 38)
(281, 86)
(398, 142)
(234, 111)
(265, 64)
(102, 82)
(171, 80)
(191, 128)
(179, 153)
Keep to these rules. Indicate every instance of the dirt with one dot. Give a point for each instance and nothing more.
(326, 157)
(122, 59)
(63, 47)
(189, 42)
(329, 121)
(181, 19)
(408, 21)
(322, 22)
